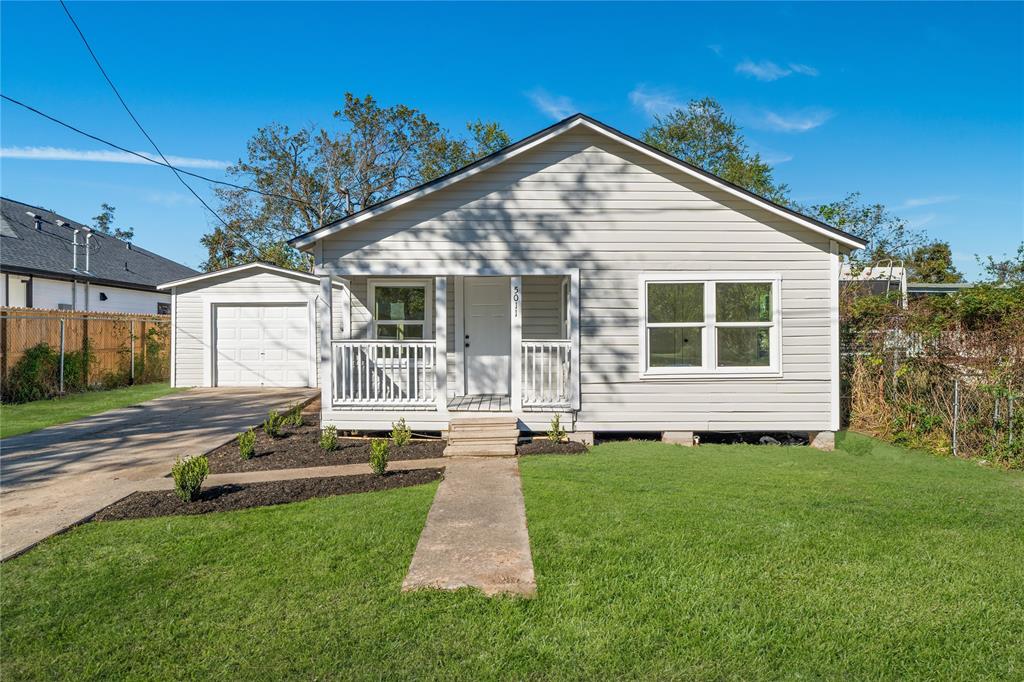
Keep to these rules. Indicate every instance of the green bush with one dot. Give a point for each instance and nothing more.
(556, 434)
(247, 443)
(329, 439)
(189, 474)
(400, 433)
(35, 376)
(272, 424)
(293, 417)
(379, 455)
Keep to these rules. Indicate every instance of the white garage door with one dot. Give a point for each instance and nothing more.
(262, 345)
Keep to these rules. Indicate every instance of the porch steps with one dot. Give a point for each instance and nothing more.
(493, 435)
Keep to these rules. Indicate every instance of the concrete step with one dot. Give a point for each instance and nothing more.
(486, 421)
(480, 432)
(483, 442)
(480, 451)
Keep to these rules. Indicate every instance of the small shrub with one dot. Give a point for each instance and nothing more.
(556, 434)
(858, 447)
(329, 439)
(247, 443)
(379, 455)
(293, 417)
(272, 424)
(189, 474)
(400, 433)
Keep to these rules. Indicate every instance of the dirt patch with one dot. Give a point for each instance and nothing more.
(150, 503)
(299, 447)
(542, 446)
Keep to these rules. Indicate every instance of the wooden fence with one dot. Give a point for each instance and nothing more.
(91, 349)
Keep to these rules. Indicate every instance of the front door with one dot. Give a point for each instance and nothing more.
(488, 341)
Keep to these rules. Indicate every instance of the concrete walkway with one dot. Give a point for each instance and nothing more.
(53, 478)
(292, 474)
(475, 535)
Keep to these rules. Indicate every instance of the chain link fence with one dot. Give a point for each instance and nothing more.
(45, 353)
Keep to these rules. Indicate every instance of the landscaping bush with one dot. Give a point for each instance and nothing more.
(34, 377)
(379, 455)
(400, 433)
(556, 434)
(189, 474)
(247, 443)
(293, 417)
(329, 439)
(272, 424)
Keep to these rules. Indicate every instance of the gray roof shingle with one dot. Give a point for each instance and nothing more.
(49, 250)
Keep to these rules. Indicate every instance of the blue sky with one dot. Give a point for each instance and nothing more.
(919, 106)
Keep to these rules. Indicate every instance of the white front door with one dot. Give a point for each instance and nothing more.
(262, 345)
(488, 342)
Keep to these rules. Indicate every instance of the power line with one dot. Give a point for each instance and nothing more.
(143, 156)
(137, 123)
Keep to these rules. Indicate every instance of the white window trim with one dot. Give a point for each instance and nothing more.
(709, 341)
(428, 302)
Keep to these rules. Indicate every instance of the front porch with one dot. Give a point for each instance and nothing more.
(428, 348)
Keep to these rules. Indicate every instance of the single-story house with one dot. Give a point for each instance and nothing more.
(52, 262)
(577, 272)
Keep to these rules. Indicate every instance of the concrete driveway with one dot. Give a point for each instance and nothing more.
(57, 476)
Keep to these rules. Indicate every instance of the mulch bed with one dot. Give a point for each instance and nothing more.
(150, 503)
(299, 447)
(542, 446)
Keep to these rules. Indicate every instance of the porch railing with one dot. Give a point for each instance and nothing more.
(384, 373)
(546, 373)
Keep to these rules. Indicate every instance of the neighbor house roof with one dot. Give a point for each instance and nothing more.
(255, 266)
(574, 121)
(48, 251)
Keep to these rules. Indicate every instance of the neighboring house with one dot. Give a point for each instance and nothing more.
(578, 272)
(888, 278)
(49, 261)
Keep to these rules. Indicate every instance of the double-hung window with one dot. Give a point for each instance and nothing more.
(400, 309)
(709, 324)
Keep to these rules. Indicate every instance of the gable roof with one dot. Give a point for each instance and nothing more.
(577, 120)
(261, 266)
(48, 251)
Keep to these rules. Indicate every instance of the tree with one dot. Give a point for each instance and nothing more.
(888, 236)
(1009, 270)
(703, 135)
(311, 177)
(932, 263)
(104, 222)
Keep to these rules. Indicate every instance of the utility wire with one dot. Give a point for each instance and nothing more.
(125, 105)
(143, 156)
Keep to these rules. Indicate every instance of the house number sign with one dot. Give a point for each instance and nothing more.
(515, 303)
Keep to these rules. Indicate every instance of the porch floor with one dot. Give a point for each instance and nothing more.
(480, 403)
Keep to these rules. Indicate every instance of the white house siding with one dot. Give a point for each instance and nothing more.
(190, 346)
(51, 294)
(582, 200)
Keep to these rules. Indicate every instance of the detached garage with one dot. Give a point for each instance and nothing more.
(251, 325)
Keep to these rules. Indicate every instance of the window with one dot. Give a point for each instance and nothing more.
(400, 310)
(702, 324)
(163, 308)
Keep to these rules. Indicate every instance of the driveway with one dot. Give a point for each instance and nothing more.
(55, 477)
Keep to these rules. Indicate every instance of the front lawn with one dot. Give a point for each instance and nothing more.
(653, 562)
(18, 419)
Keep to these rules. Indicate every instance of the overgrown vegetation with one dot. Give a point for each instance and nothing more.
(400, 433)
(379, 450)
(189, 474)
(556, 433)
(939, 368)
(273, 424)
(329, 438)
(36, 375)
(247, 443)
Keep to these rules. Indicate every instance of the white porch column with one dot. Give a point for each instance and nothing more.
(441, 343)
(324, 326)
(574, 337)
(516, 311)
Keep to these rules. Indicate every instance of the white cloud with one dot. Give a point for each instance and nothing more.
(796, 122)
(770, 71)
(169, 199)
(717, 49)
(921, 221)
(555, 106)
(104, 156)
(917, 202)
(654, 101)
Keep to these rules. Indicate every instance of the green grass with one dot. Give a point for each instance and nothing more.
(18, 419)
(653, 562)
